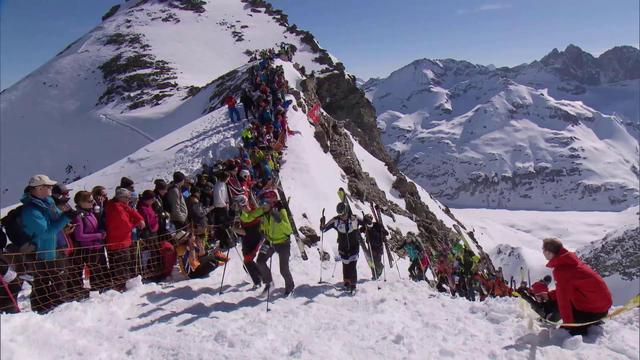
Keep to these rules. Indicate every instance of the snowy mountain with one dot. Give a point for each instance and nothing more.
(153, 105)
(140, 47)
(126, 83)
(557, 134)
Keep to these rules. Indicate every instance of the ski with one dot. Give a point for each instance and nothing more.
(296, 235)
(366, 250)
(386, 246)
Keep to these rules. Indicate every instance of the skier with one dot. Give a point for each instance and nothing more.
(346, 224)
(252, 239)
(414, 251)
(375, 234)
(277, 230)
(468, 267)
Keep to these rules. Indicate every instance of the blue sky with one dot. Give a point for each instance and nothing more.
(372, 37)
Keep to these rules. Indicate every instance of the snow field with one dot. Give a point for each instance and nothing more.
(403, 320)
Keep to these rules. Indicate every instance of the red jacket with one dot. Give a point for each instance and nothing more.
(539, 287)
(120, 221)
(230, 101)
(577, 286)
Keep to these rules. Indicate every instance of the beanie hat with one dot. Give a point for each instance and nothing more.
(147, 195)
(178, 177)
(125, 182)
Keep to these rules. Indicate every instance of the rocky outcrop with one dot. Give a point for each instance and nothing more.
(348, 108)
(617, 64)
(615, 254)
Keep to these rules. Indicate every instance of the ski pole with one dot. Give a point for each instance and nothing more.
(224, 270)
(335, 265)
(269, 288)
(246, 271)
(322, 219)
(397, 267)
(384, 266)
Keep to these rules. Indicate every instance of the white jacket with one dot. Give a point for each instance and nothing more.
(220, 195)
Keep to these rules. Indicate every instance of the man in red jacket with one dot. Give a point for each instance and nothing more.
(581, 294)
(120, 221)
(234, 114)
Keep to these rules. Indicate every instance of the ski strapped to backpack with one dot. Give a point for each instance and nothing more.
(378, 215)
(294, 228)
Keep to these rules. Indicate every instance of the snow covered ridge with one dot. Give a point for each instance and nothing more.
(119, 87)
(556, 134)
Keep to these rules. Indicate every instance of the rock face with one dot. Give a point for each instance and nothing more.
(615, 254)
(617, 64)
(557, 134)
(348, 109)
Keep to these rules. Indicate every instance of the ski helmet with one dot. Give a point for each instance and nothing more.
(368, 220)
(341, 208)
(244, 173)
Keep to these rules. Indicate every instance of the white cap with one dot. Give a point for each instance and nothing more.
(39, 180)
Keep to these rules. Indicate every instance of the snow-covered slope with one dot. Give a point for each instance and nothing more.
(403, 320)
(537, 136)
(121, 86)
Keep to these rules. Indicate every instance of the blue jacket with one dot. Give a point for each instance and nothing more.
(412, 251)
(42, 220)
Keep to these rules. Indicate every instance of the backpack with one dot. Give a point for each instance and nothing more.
(12, 224)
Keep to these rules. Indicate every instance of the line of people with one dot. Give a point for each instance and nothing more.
(108, 241)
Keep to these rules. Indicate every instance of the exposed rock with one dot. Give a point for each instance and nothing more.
(114, 9)
(615, 254)
(349, 109)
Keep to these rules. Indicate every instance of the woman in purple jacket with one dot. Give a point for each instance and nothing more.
(89, 247)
